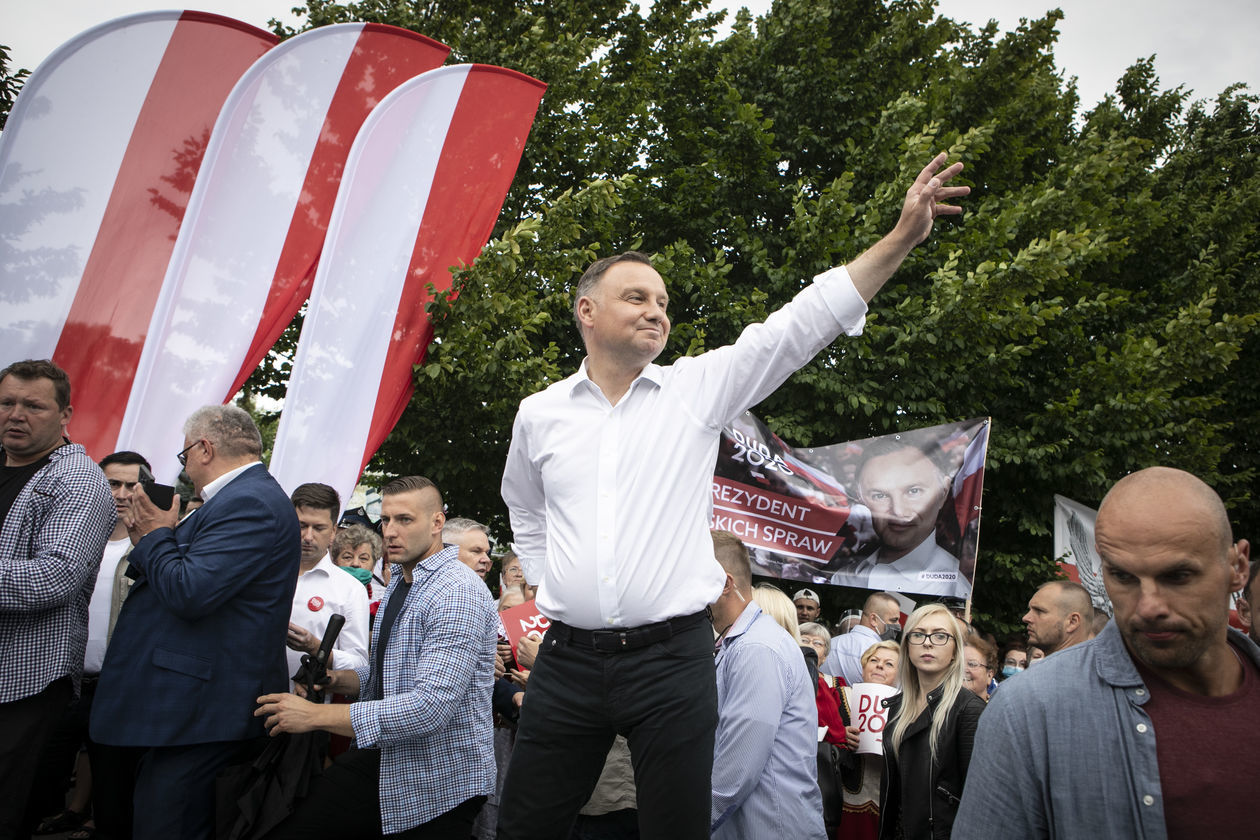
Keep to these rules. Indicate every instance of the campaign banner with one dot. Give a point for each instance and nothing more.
(1074, 549)
(524, 620)
(870, 716)
(899, 512)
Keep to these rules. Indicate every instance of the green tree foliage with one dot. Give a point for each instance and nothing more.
(10, 84)
(1098, 299)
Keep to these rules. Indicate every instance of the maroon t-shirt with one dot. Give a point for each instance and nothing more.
(1207, 748)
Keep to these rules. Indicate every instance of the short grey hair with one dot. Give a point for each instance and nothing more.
(813, 628)
(595, 272)
(459, 526)
(230, 429)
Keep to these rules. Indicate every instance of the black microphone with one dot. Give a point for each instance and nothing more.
(314, 669)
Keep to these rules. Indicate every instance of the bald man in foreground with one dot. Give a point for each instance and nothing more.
(1126, 737)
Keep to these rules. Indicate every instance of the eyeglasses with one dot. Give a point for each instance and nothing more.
(183, 456)
(918, 637)
(971, 664)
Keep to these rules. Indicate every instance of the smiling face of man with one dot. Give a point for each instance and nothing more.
(625, 317)
(904, 491)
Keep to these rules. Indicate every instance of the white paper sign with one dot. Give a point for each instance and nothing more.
(870, 716)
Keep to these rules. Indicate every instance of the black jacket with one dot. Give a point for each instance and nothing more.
(918, 794)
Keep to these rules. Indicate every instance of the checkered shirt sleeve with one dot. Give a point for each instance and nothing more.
(50, 549)
(434, 725)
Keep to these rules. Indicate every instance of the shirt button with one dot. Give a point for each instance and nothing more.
(1141, 727)
(1141, 692)
(1148, 800)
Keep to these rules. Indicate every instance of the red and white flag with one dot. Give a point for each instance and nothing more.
(247, 252)
(422, 189)
(96, 165)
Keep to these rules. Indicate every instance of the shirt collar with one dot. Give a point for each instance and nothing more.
(653, 373)
(742, 623)
(324, 565)
(919, 558)
(433, 561)
(222, 481)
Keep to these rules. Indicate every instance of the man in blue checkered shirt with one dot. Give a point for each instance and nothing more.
(56, 514)
(424, 762)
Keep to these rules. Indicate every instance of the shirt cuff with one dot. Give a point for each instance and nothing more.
(366, 722)
(842, 299)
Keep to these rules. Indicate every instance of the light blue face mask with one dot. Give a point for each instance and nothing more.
(1010, 670)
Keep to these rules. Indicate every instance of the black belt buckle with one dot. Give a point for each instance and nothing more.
(610, 641)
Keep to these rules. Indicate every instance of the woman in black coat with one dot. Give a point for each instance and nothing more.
(930, 731)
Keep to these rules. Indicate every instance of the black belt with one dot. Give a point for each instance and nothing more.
(626, 638)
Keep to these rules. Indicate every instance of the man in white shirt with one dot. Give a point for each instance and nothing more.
(323, 589)
(623, 553)
(905, 490)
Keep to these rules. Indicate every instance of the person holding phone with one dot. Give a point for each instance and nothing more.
(202, 632)
(930, 731)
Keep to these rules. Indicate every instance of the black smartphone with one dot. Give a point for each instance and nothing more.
(160, 494)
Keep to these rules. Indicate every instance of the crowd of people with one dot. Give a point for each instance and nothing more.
(187, 651)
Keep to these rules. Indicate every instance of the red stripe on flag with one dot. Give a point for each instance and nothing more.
(105, 331)
(479, 158)
(382, 60)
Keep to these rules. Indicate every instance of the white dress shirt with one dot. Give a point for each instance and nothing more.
(325, 590)
(610, 505)
(927, 570)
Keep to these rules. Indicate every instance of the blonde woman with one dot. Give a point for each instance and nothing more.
(931, 728)
(775, 603)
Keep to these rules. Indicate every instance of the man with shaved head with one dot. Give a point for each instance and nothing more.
(1060, 615)
(881, 620)
(1154, 704)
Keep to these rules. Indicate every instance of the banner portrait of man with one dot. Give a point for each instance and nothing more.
(899, 512)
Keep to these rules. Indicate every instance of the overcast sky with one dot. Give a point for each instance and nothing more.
(1205, 45)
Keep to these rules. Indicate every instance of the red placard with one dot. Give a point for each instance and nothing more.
(523, 621)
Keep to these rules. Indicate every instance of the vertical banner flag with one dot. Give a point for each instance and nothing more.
(246, 255)
(96, 166)
(899, 512)
(1075, 551)
(422, 189)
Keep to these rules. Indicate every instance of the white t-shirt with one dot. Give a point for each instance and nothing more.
(99, 606)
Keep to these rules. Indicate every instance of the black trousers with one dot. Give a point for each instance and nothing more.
(662, 698)
(345, 803)
(24, 727)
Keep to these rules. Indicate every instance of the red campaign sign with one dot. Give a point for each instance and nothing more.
(771, 532)
(523, 621)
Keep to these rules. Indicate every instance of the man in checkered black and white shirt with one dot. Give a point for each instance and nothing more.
(422, 724)
(56, 513)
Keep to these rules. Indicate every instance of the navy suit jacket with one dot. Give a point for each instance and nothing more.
(202, 633)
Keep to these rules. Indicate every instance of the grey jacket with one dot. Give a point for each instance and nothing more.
(1065, 750)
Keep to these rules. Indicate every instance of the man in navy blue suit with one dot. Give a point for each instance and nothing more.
(202, 633)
